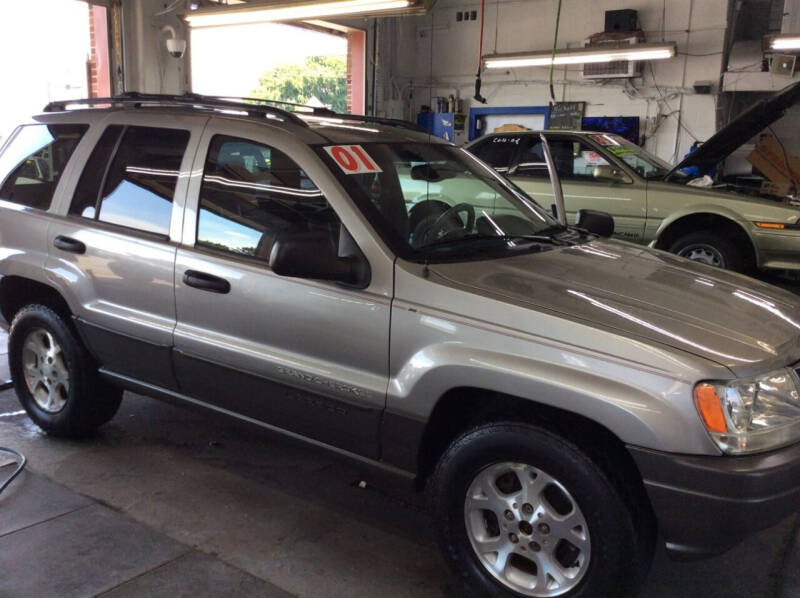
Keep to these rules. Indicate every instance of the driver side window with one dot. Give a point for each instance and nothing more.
(574, 160)
(252, 193)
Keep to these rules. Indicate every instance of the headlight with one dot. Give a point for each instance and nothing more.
(753, 414)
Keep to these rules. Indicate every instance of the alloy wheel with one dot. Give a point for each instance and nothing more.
(45, 370)
(527, 530)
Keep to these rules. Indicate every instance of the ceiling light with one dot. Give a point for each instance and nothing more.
(582, 55)
(785, 42)
(290, 11)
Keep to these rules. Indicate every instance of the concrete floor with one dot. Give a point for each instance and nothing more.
(171, 502)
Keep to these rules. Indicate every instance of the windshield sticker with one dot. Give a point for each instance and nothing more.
(515, 140)
(604, 140)
(620, 151)
(352, 159)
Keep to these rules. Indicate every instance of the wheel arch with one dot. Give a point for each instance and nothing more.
(679, 225)
(18, 291)
(463, 408)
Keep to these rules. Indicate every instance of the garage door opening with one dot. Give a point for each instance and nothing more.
(307, 65)
(44, 46)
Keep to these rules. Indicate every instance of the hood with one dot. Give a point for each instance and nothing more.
(741, 129)
(750, 207)
(733, 320)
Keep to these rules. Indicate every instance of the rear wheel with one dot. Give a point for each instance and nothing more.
(54, 377)
(710, 248)
(522, 512)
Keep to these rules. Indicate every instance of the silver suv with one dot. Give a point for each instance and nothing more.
(562, 397)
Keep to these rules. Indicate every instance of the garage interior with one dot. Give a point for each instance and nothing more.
(168, 501)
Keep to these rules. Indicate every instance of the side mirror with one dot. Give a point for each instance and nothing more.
(596, 222)
(607, 172)
(314, 255)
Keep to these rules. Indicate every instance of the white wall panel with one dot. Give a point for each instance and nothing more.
(440, 56)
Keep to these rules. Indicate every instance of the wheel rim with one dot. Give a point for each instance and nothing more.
(527, 530)
(45, 370)
(703, 253)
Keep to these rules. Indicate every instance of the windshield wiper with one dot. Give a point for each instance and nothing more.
(477, 238)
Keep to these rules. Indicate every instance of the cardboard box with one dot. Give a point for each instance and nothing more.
(781, 168)
(776, 189)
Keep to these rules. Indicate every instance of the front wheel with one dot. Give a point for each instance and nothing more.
(521, 512)
(710, 248)
(54, 377)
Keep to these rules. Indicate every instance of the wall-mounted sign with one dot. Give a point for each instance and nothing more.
(566, 116)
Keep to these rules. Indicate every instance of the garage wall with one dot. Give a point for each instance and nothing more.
(439, 56)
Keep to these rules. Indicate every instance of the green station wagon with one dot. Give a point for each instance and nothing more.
(650, 200)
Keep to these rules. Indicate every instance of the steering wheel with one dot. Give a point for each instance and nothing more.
(436, 227)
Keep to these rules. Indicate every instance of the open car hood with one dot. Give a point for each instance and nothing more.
(744, 127)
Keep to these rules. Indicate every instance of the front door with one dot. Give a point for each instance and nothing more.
(575, 161)
(305, 356)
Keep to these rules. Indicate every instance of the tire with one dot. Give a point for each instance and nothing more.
(594, 513)
(54, 377)
(710, 248)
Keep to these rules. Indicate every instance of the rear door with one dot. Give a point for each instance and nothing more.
(113, 254)
(306, 356)
(32, 167)
(576, 159)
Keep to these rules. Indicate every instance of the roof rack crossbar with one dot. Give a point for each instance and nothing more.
(139, 100)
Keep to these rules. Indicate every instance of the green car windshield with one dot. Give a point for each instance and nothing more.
(638, 158)
(436, 202)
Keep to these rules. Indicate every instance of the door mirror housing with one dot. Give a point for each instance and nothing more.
(595, 222)
(314, 255)
(606, 172)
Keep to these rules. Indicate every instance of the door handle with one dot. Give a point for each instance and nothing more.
(206, 282)
(69, 244)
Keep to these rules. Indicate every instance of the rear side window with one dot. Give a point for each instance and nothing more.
(34, 160)
(137, 188)
(498, 152)
(252, 193)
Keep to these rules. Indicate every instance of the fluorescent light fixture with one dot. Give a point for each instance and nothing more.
(785, 42)
(262, 13)
(582, 55)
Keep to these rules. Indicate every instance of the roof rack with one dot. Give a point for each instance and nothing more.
(252, 106)
(139, 100)
(322, 112)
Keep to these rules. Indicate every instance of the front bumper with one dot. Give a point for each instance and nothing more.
(707, 504)
(779, 250)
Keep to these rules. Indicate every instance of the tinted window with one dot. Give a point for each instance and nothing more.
(87, 193)
(33, 162)
(140, 184)
(498, 152)
(251, 193)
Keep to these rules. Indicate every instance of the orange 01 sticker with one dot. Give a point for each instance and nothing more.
(352, 159)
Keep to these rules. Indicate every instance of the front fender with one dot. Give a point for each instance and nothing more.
(699, 209)
(636, 416)
(643, 394)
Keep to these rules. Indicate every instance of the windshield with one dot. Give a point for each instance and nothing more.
(638, 158)
(435, 201)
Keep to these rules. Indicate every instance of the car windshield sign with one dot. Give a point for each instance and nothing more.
(432, 201)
